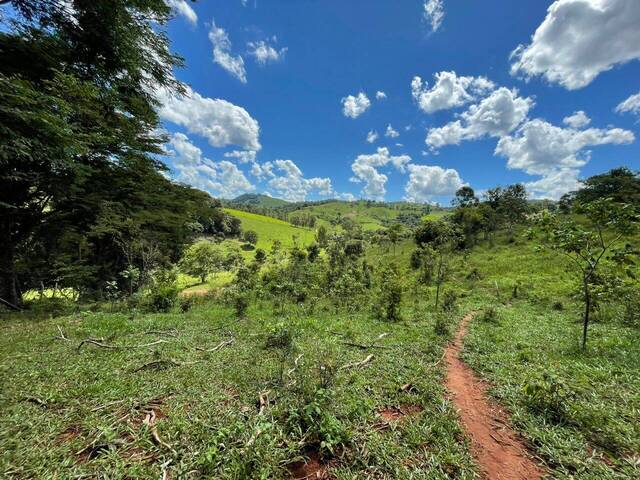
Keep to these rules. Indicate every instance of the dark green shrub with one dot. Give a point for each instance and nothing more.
(389, 293)
(162, 298)
(549, 396)
(557, 306)
(490, 315)
(185, 304)
(449, 301)
(441, 325)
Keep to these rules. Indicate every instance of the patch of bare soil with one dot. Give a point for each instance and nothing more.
(310, 469)
(499, 451)
(394, 414)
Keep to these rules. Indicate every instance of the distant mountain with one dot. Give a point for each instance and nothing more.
(258, 200)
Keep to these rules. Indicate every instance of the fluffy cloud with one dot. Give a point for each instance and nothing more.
(372, 136)
(243, 156)
(265, 53)
(365, 170)
(390, 132)
(579, 39)
(554, 184)
(539, 147)
(289, 182)
(631, 105)
(353, 107)
(555, 153)
(449, 91)
(183, 8)
(220, 122)
(222, 179)
(495, 116)
(579, 119)
(434, 13)
(426, 182)
(380, 95)
(234, 64)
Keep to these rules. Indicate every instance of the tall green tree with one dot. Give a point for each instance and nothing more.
(77, 119)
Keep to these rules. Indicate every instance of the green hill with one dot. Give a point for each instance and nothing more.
(372, 215)
(270, 229)
(260, 200)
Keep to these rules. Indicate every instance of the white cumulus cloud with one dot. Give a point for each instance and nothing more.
(365, 170)
(222, 179)
(234, 64)
(448, 91)
(390, 132)
(555, 153)
(630, 105)
(265, 53)
(372, 136)
(380, 95)
(286, 178)
(434, 13)
(354, 106)
(429, 181)
(579, 39)
(243, 156)
(222, 123)
(495, 116)
(579, 119)
(183, 8)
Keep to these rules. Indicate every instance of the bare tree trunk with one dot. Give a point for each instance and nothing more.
(9, 291)
(587, 309)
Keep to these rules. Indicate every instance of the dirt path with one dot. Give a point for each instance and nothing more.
(499, 452)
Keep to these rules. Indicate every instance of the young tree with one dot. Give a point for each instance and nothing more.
(443, 238)
(250, 236)
(202, 259)
(394, 233)
(322, 237)
(587, 245)
(465, 197)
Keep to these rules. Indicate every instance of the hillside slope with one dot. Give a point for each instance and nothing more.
(270, 229)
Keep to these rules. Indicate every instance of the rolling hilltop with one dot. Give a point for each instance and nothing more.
(370, 215)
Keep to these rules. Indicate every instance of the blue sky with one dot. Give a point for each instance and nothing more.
(271, 81)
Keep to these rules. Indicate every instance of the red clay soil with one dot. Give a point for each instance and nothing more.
(311, 469)
(498, 451)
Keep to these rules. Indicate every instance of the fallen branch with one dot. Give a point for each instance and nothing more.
(357, 364)
(61, 336)
(371, 345)
(171, 333)
(150, 421)
(295, 365)
(100, 343)
(10, 305)
(263, 401)
(217, 347)
(163, 364)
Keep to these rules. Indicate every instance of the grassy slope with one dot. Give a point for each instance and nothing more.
(207, 410)
(597, 435)
(270, 229)
(370, 218)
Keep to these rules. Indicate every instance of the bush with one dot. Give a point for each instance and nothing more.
(441, 326)
(549, 396)
(490, 315)
(162, 298)
(389, 294)
(557, 306)
(185, 304)
(449, 302)
(281, 337)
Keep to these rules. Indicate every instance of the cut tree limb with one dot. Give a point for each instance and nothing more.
(217, 347)
(357, 364)
(99, 342)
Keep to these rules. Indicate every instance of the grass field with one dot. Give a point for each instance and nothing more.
(271, 229)
(59, 399)
(370, 217)
(279, 388)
